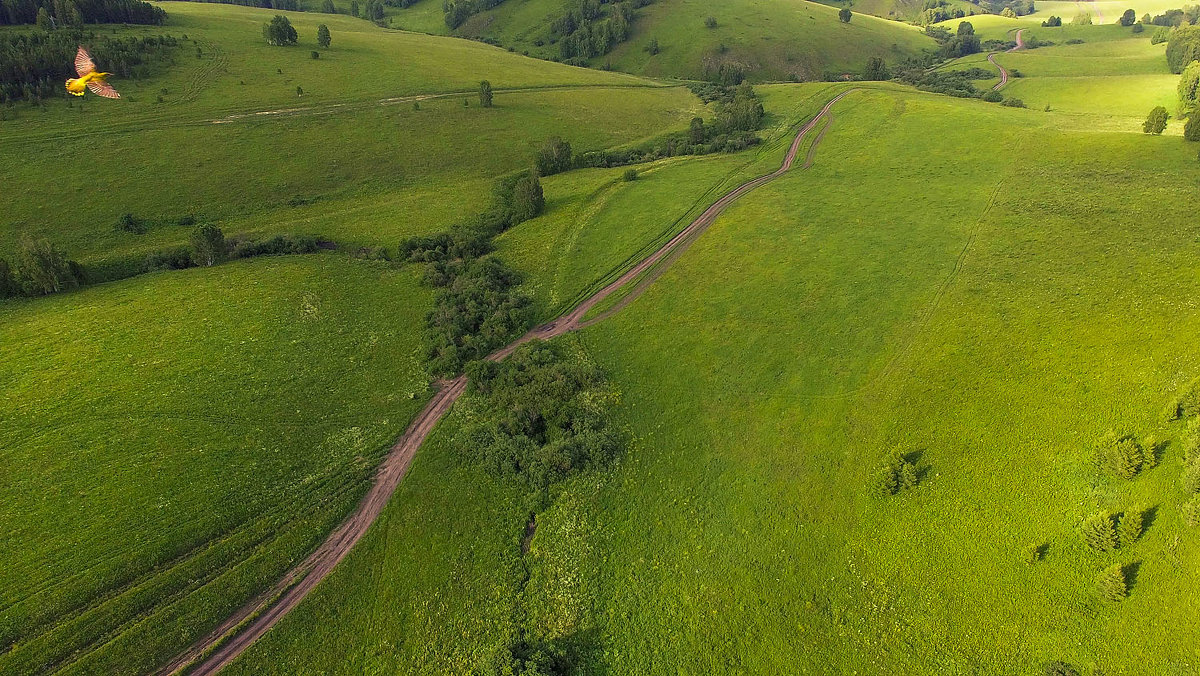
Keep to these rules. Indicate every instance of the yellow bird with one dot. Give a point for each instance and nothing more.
(89, 78)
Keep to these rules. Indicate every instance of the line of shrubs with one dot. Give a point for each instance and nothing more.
(478, 308)
(41, 268)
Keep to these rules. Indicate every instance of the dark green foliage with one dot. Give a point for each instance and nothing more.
(631, 175)
(554, 157)
(1052, 22)
(323, 37)
(1156, 121)
(485, 94)
(1099, 534)
(1183, 47)
(279, 31)
(587, 31)
(527, 200)
(315, 55)
(1111, 584)
(1189, 88)
(460, 243)
(1151, 447)
(1122, 455)
(962, 43)
(1191, 130)
(710, 22)
(176, 258)
(279, 245)
(14, 12)
(1129, 529)
(1186, 405)
(537, 416)
(1035, 552)
(696, 130)
(877, 70)
(478, 311)
(8, 282)
(992, 96)
(456, 12)
(1059, 668)
(42, 268)
(208, 245)
(652, 47)
(132, 224)
(1191, 511)
(1160, 35)
(1137, 28)
(1128, 18)
(327, 7)
(844, 15)
(34, 65)
(958, 83)
(354, 8)
(299, 90)
(897, 473)
(1013, 103)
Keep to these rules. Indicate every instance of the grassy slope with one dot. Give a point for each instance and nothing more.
(393, 171)
(774, 40)
(907, 10)
(740, 511)
(161, 472)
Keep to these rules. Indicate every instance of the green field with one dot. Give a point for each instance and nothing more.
(161, 472)
(386, 177)
(1017, 320)
(989, 290)
(772, 40)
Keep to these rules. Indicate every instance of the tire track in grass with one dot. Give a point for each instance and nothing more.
(247, 625)
(1004, 72)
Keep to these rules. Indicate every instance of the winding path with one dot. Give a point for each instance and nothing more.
(257, 617)
(1004, 73)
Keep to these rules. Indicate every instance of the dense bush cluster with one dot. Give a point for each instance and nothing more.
(538, 416)
(939, 10)
(1104, 532)
(1189, 14)
(77, 12)
(478, 308)
(456, 12)
(897, 473)
(1017, 7)
(1183, 47)
(34, 65)
(958, 83)
(586, 30)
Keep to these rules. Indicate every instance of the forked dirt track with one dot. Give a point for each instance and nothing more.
(257, 617)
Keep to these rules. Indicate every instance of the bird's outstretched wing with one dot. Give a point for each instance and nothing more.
(103, 89)
(83, 62)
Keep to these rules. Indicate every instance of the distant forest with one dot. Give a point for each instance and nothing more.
(34, 65)
(60, 13)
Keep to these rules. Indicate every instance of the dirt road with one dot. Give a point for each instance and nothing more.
(254, 619)
(1004, 73)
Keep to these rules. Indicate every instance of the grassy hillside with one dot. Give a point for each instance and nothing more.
(243, 149)
(770, 40)
(906, 10)
(161, 471)
(995, 325)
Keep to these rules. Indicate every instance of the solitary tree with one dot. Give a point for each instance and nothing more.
(42, 268)
(527, 199)
(1156, 122)
(1128, 18)
(966, 28)
(323, 37)
(1111, 583)
(844, 14)
(876, 69)
(485, 94)
(208, 245)
(652, 46)
(1130, 527)
(44, 21)
(1099, 534)
(1125, 457)
(554, 157)
(279, 31)
(696, 131)
(299, 90)
(710, 22)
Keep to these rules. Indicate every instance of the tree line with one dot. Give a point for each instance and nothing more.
(586, 31)
(79, 12)
(34, 65)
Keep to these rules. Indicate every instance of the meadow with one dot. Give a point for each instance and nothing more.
(773, 40)
(1015, 314)
(161, 472)
(260, 174)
